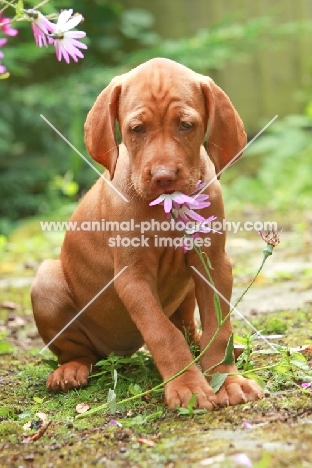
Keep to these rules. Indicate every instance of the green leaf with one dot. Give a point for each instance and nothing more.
(24, 415)
(115, 377)
(137, 420)
(6, 348)
(217, 380)
(240, 339)
(192, 402)
(38, 400)
(134, 389)
(183, 411)
(300, 365)
(51, 363)
(6, 411)
(19, 8)
(229, 358)
(251, 375)
(70, 188)
(111, 400)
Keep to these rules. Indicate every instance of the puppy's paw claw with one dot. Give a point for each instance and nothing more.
(237, 389)
(180, 390)
(68, 376)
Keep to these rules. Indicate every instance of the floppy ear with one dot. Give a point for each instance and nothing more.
(100, 134)
(226, 130)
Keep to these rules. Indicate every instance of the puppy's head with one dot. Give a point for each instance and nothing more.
(163, 110)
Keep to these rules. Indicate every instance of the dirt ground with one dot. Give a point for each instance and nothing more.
(274, 432)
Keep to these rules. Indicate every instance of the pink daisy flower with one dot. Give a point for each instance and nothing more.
(41, 27)
(182, 208)
(3, 41)
(2, 69)
(65, 41)
(5, 26)
(171, 200)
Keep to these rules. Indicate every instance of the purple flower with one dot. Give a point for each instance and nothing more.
(186, 212)
(3, 41)
(202, 226)
(5, 26)
(182, 209)
(41, 27)
(65, 41)
(247, 425)
(114, 422)
(2, 69)
(171, 200)
(306, 385)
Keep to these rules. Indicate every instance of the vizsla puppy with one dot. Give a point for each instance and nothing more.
(163, 110)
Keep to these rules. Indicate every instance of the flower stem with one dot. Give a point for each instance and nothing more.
(221, 322)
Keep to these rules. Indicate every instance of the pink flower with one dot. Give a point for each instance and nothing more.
(114, 422)
(181, 208)
(41, 27)
(186, 212)
(172, 199)
(2, 69)
(5, 26)
(306, 385)
(242, 459)
(204, 226)
(3, 41)
(65, 41)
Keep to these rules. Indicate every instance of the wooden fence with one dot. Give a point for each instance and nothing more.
(274, 80)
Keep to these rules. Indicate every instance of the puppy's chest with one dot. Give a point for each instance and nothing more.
(173, 279)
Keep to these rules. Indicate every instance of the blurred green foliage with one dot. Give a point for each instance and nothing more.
(38, 170)
(278, 164)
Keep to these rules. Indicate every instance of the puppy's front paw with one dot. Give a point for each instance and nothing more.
(237, 389)
(179, 391)
(68, 376)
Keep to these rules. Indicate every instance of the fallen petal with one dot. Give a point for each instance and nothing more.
(82, 408)
(242, 459)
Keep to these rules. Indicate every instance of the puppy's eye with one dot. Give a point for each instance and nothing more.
(137, 128)
(185, 126)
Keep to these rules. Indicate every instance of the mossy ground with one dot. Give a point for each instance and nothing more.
(278, 432)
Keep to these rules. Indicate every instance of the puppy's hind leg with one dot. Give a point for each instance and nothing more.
(53, 309)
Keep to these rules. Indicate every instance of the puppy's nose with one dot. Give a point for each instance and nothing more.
(164, 177)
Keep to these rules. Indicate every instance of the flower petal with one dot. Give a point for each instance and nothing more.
(157, 201)
(75, 34)
(63, 18)
(72, 23)
(243, 460)
(168, 204)
(192, 214)
(75, 43)
(181, 198)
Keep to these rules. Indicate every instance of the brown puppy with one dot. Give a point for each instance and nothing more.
(163, 109)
